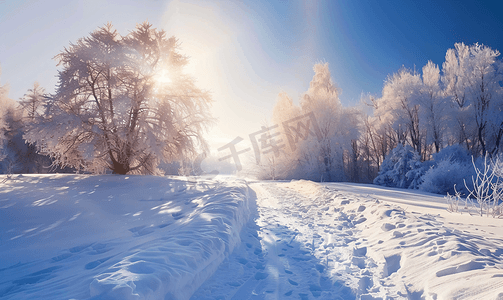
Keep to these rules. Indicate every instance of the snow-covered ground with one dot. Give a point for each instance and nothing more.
(115, 237)
(132, 237)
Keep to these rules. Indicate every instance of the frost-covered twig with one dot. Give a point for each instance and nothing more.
(454, 200)
(497, 190)
(487, 188)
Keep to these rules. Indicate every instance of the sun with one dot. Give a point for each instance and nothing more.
(162, 77)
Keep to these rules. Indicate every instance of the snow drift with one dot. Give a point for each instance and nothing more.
(115, 237)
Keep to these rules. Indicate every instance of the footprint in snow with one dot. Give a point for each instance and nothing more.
(364, 284)
(398, 234)
(141, 230)
(99, 248)
(165, 225)
(320, 268)
(96, 263)
(393, 263)
(177, 215)
(80, 248)
(387, 227)
(36, 277)
(261, 275)
(259, 266)
(303, 296)
(315, 290)
(243, 261)
(292, 282)
(61, 257)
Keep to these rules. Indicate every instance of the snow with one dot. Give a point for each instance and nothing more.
(148, 237)
(116, 237)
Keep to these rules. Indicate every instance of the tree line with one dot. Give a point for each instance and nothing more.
(123, 104)
(459, 104)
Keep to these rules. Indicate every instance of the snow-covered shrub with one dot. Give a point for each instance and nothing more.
(453, 202)
(397, 170)
(453, 153)
(450, 167)
(444, 175)
(488, 187)
(416, 173)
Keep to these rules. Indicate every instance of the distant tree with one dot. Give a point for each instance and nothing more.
(400, 99)
(324, 155)
(123, 103)
(378, 132)
(320, 137)
(284, 110)
(6, 105)
(371, 147)
(285, 162)
(33, 102)
(19, 156)
(434, 107)
(352, 129)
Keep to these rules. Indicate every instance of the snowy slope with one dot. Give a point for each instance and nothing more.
(115, 237)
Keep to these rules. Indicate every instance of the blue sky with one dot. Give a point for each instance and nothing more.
(246, 52)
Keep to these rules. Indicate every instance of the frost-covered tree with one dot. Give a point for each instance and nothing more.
(33, 102)
(324, 155)
(122, 103)
(284, 110)
(6, 105)
(320, 137)
(19, 156)
(378, 132)
(284, 162)
(400, 107)
(434, 107)
(472, 76)
(372, 146)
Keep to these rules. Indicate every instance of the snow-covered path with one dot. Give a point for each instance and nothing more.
(295, 248)
(312, 241)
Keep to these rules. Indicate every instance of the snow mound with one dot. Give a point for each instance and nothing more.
(115, 237)
(305, 187)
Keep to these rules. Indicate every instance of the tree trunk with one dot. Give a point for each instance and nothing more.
(118, 167)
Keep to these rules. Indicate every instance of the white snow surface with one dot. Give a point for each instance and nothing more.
(147, 237)
(115, 237)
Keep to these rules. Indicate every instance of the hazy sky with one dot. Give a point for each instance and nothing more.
(246, 52)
